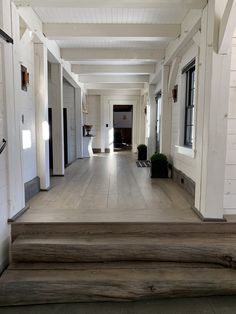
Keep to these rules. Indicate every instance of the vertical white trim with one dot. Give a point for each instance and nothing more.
(41, 101)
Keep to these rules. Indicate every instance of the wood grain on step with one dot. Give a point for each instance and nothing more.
(211, 248)
(18, 287)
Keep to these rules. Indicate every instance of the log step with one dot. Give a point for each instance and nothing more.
(115, 283)
(205, 248)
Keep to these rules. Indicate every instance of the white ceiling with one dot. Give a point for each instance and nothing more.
(169, 12)
(110, 43)
(111, 15)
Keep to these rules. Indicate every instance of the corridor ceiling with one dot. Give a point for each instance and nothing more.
(113, 44)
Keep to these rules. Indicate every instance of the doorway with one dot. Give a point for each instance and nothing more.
(65, 136)
(123, 127)
(50, 139)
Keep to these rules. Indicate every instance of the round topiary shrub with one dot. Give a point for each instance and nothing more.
(159, 166)
(142, 152)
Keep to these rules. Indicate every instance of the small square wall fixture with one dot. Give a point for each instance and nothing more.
(175, 93)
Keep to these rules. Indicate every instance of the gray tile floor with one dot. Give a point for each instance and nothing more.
(210, 305)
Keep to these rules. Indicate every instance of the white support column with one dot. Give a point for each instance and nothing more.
(42, 128)
(212, 119)
(103, 126)
(78, 123)
(57, 119)
(166, 119)
(151, 145)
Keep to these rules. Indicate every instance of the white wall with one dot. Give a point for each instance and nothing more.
(25, 100)
(69, 103)
(181, 156)
(230, 165)
(94, 118)
(4, 182)
(4, 228)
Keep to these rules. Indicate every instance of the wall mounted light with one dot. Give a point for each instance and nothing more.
(175, 93)
(24, 78)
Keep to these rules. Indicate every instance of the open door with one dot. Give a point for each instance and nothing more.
(122, 124)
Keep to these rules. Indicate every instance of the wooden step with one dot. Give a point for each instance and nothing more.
(115, 283)
(210, 248)
(19, 228)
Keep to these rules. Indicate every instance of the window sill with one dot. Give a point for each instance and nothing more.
(189, 152)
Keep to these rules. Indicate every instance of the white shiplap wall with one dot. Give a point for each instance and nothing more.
(230, 168)
(4, 228)
(69, 103)
(182, 161)
(94, 118)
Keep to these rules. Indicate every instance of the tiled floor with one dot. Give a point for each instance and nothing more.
(110, 188)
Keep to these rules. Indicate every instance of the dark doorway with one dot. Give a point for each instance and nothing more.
(122, 124)
(50, 138)
(65, 137)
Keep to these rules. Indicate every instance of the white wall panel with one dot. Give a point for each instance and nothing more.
(4, 228)
(230, 168)
(94, 118)
(69, 103)
(182, 162)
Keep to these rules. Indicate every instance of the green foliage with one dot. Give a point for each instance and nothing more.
(157, 157)
(141, 147)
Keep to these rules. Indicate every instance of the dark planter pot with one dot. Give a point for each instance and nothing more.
(159, 169)
(142, 154)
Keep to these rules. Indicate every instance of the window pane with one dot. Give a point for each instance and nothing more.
(189, 138)
(189, 106)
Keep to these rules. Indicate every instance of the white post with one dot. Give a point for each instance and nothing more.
(57, 119)
(166, 114)
(103, 126)
(42, 128)
(151, 145)
(78, 123)
(211, 119)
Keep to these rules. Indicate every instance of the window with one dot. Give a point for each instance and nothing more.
(189, 72)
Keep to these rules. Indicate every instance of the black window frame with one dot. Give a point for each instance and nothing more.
(190, 75)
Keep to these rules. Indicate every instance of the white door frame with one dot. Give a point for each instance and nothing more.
(112, 103)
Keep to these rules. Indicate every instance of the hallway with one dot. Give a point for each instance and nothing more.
(110, 188)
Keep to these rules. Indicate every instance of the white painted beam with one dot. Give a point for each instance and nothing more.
(71, 30)
(156, 76)
(142, 69)
(114, 86)
(177, 48)
(173, 74)
(114, 78)
(160, 4)
(84, 54)
(227, 27)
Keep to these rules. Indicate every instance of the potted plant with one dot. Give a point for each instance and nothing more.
(159, 166)
(142, 152)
